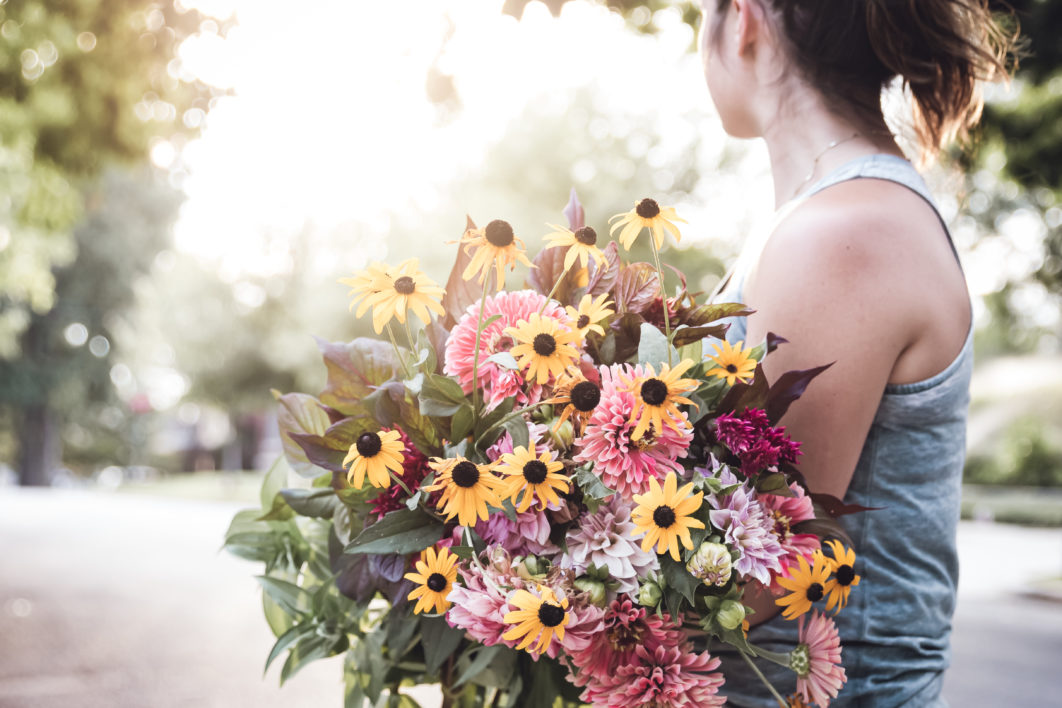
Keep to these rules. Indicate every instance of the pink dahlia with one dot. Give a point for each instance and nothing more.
(748, 528)
(755, 441)
(414, 470)
(528, 535)
(480, 601)
(663, 677)
(497, 382)
(622, 465)
(817, 660)
(604, 539)
(625, 627)
(786, 512)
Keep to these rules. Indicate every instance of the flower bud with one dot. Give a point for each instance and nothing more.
(711, 564)
(595, 588)
(533, 565)
(649, 594)
(730, 614)
(562, 436)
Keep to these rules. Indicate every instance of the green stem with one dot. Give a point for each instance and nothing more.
(391, 335)
(475, 354)
(663, 296)
(412, 342)
(399, 482)
(780, 659)
(556, 285)
(752, 665)
(507, 418)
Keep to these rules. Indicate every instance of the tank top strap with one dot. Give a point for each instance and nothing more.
(882, 166)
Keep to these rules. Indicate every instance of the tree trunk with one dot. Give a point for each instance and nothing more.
(38, 446)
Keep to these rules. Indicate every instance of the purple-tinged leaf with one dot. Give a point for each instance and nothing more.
(705, 314)
(549, 266)
(300, 414)
(574, 212)
(746, 395)
(602, 278)
(789, 387)
(823, 528)
(320, 452)
(354, 370)
(835, 507)
(688, 335)
(637, 287)
(390, 567)
(773, 341)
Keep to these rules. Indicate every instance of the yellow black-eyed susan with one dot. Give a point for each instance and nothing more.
(391, 293)
(664, 515)
(543, 348)
(581, 243)
(540, 617)
(656, 398)
(375, 455)
(806, 585)
(534, 476)
(590, 312)
(494, 245)
(435, 578)
(844, 576)
(732, 363)
(467, 489)
(646, 214)
(578, 397)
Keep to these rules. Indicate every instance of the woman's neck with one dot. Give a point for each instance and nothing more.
(810, 141)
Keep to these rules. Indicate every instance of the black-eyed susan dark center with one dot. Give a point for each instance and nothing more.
(586, 235)
(436, 582)
(654, 392)
(535, 472)
(583, 321)
(647, 208)
(550, 615)
(585, 396)
(465, 474)
(405, 285)
(845, 575)
(664, 516)
(731, 368)
(544, 344)
(499, 233)
(368, 444)
(814, 593)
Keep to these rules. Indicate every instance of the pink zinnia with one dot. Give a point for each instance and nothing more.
(786, 512)
(817, 660)
(752, 438)
(624, 466)
(664, 677)
(497, 382)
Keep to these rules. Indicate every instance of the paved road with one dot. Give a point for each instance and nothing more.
(124, 601)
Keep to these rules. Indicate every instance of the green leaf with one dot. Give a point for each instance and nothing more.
(464, 552)
(461, 423)
(517, 428)
(591, 484)
(279, 511)
(275, 480)
(504, 360)
(292, 598)
(436, 408)
(316, 503)
(694, 351)
(402, 531)
(704, 314)
(288, 638)
(309, 649)
(414, 385)
(678, 578)
(774, 483)
(488, 322)
(687, 335)
(653, 347)
(484, 656)
(444, 388)
(439, 640)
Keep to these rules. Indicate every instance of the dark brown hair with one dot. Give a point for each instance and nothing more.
(850, 50)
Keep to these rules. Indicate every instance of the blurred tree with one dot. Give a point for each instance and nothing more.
(82, 85)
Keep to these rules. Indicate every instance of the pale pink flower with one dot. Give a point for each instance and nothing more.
(528, 535)
(664, 677)
(786, 512)
(622, 465)
(748, 528)
(496, 381)
(584, 624)
(604, 539)
(480, 600)
(817, 660)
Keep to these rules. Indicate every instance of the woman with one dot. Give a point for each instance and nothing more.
(858, 269)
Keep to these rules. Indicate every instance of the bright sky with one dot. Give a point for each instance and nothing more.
(330, 124)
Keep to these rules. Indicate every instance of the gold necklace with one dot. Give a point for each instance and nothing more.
(815, 164)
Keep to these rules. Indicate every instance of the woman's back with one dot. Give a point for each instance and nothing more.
(895, 630)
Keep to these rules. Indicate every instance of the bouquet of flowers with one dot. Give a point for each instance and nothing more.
(553, 495)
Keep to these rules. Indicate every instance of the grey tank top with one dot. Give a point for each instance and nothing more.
(895, 630)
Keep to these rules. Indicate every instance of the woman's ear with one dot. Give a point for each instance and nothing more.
(749, 24)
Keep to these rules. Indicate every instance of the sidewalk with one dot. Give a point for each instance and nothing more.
(124, 601)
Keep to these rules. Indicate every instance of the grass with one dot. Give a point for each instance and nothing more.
(232, 486)
(1027, 506)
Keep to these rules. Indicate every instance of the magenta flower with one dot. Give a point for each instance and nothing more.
(414, 470)
(754, 441)
(748, 528)
(786, 512)
(604, 539)
(496, 381)
(622, 465)
(817, 660)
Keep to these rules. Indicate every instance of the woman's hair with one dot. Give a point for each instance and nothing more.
(850, 50)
